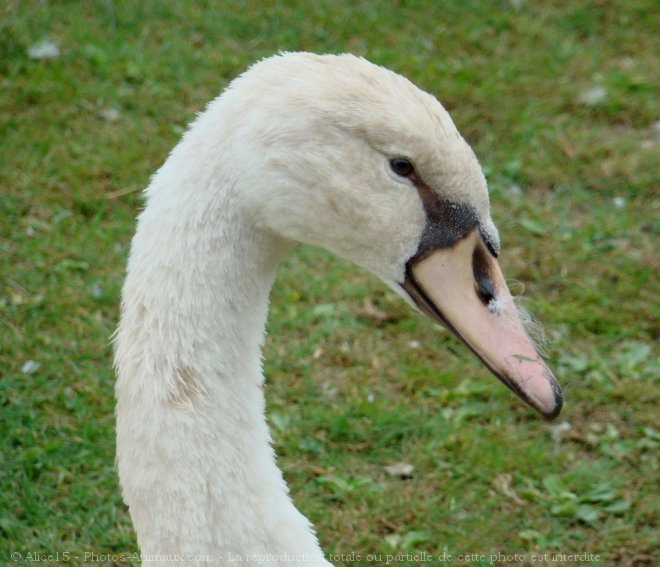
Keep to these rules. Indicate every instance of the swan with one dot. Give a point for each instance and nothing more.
(329, 150)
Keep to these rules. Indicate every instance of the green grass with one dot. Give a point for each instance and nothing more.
(575, 195)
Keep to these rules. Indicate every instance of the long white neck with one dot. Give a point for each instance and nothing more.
(193, 447)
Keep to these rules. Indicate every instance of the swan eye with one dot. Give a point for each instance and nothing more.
(402, 167)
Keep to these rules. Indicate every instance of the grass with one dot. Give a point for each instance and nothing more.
(574, 183)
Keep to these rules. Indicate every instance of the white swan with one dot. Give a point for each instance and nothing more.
(328, 150)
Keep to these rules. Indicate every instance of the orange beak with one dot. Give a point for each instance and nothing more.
(462, 287)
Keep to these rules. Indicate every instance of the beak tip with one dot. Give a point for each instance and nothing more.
(558, 399)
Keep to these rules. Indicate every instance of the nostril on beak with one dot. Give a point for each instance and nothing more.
(483, 283)
(485, 291)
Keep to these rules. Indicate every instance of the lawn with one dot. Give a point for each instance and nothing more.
(560, 101)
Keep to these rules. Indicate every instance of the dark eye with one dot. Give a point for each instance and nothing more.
(401, 166)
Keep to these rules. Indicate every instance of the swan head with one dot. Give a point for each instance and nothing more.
(346, 155)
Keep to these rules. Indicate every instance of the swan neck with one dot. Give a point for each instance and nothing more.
(193, 447)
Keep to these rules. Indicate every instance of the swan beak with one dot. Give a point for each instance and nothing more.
(462, 287)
